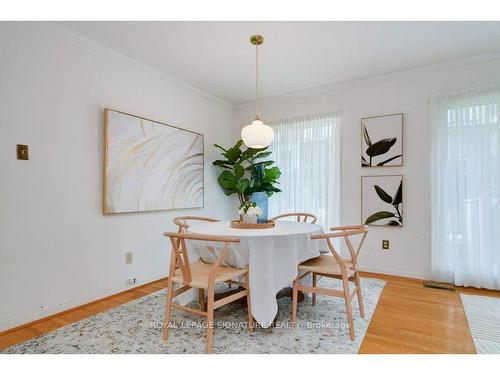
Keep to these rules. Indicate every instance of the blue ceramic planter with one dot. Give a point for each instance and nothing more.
(261, 199)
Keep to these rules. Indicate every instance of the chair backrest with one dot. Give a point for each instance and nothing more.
(182, 221)
(346, 232)
(181, 259)
(300, 216)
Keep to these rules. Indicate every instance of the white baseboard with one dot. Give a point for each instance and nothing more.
(55, 309)
(413, 275)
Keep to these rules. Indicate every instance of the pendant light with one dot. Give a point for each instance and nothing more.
(257, 134)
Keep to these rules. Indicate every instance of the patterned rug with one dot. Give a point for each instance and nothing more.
(483, 315)
(136, 327)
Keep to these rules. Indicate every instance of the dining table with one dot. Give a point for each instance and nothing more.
(271, 255)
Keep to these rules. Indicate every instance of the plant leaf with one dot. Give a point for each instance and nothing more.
(233, 154)
(227, 180)
(364, 163)
(380, 147)
(256, 150)
(262, 155)
(388, 160)
(249, 191)
(248, 153)
(368, 141)
(266, 163)
(222, 163)
(239, 171)
(242, 185)
(383, 194)
(393, 223)
(272, 174)
(379, 216)
(398, 197)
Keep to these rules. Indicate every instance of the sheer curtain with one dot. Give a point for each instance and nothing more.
(465, 188)
(307, 150)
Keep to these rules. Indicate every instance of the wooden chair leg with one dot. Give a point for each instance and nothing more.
(168, 308)
(201, 299)
(314, 279)
(294, 300)
(249, 303)
(360, 296)
(348, 305)
(210, 317)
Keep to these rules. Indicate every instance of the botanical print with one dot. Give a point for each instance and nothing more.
(382, 200)
(382, 143)
(150, 166)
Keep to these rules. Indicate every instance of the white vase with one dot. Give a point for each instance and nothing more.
(249, 219)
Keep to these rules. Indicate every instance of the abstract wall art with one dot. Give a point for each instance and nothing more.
(150, 166)
(382, 200)
(382, 141)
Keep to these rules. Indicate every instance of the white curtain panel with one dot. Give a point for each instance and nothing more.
(307, 151)
(466, 188)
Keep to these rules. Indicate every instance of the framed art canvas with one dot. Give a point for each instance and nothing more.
(150, 166)
(382, 200)
(382, 141)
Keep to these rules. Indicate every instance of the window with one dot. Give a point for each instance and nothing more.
(465, 189)
(307, 150)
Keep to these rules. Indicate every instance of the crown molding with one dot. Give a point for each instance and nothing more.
(342, 85)
(278, 97)
(110, 52)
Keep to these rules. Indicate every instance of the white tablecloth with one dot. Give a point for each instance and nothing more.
(272, 256)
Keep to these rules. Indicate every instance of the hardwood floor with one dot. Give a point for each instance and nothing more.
(31, 330)
(408, 319)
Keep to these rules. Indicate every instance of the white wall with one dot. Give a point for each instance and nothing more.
(57, 250)
(409, 92)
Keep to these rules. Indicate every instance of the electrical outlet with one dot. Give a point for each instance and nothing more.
(385, 244)
(132, 281)
(128, 257)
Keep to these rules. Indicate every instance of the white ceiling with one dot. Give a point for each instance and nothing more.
(217, 57)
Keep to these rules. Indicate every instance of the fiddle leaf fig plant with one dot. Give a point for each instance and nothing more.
(245, 172)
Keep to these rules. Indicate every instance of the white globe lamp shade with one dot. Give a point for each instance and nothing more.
(257, 135)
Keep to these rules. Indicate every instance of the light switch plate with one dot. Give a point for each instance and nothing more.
(22, 152)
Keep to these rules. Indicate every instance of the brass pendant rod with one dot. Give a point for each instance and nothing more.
(257, 40)
(257, 82)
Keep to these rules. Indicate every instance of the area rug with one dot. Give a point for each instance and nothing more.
(483, 315)
(136, 327)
